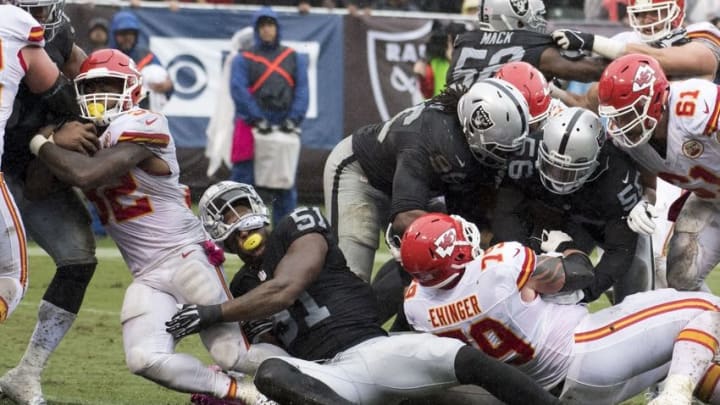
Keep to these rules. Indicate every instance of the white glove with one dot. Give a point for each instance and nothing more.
(393, 243)
(552, 239)
(640, 219)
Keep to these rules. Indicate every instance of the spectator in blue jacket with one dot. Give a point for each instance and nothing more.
(269, 86)
(125, 36)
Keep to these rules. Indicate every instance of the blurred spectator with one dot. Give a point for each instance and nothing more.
(445, 6)
(304, 7)
(126, 36)
(700, 10)
(594, 10)
(399, 5)
(269, 85)
(615, 9)
(430, 72)
(470, 7)
(221, 147)
(715, 20)
(98, 34)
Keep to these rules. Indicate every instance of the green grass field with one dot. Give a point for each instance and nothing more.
(89, 366)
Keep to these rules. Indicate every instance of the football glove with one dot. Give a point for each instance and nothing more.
(551, 240)
(640, 219)
(674, 38)
(262, 126)
(393, 243)
(573, 40)
(192, 319)
(255, 329)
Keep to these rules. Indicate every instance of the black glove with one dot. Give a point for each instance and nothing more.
(289, 126)
(255, 329)
(192, 319)
(262, 126)
(573, 40)
(674, 38)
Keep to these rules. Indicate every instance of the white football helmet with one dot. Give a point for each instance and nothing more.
(665, 16)
(494, 117)
(501, 15)
(223, 197)
(52, 17)
(569, 150)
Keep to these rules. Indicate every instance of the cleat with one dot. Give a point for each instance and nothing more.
(22, 387)
(677, 390)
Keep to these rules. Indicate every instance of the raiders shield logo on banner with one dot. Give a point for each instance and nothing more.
(390, 57)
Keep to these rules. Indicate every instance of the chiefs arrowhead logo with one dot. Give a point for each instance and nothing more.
(445, 244)
(644, 78)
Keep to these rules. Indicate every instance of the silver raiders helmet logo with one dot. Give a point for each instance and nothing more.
(480, 119)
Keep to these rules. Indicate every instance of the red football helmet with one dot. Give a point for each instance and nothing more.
(633, 91)
(108, 85)
(532, 85)
(653, 19)
(436, 247)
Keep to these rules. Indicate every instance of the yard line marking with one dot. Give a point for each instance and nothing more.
(101, 252)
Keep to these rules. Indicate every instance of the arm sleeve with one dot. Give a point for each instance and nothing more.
(245, 105)
(507, 221)
(300, 100)
(411, 188)
(619, 251)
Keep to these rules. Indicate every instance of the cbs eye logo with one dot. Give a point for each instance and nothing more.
(189, 76)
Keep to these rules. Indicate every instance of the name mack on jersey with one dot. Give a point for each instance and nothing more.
(496, 38)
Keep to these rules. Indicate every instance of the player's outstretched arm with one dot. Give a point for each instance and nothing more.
(553, 64)
(690, 60)
(299, 267)
(589, 100)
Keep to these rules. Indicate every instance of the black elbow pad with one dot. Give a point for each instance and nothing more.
(61, 98)
(578, 271)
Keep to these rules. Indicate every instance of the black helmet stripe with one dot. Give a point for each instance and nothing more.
(568, 130)
(518, 103)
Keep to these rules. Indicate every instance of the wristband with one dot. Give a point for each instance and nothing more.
(607, 47)
(37, 142)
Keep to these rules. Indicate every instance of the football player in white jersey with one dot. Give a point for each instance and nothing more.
(297, 279)
(21, 43)
(671, 131)
(657, 31)
(493, 300)
(133, 180)
(693, 51)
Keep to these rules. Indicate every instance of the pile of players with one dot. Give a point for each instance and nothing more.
(496, 190)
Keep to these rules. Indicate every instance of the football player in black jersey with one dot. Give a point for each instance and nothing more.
(567, 178)
(321, 310)
(447, 146)
(451, 145)
(512, 30)
(54, 216)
